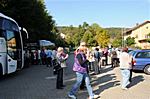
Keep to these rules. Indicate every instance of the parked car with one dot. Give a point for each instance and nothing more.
(131, 49)
(141, 60)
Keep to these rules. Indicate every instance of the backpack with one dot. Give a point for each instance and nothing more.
(97, 55)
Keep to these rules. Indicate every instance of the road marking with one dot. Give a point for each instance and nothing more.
(52, 77)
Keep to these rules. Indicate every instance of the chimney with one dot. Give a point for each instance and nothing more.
(137, 24)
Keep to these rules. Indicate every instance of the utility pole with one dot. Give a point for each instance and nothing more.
(122, 37)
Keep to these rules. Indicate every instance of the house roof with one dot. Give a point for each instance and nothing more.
(136, 27)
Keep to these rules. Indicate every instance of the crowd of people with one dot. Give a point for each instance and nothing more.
(85, 61)
(43, 56)
(55, 58)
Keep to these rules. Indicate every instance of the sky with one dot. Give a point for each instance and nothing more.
(106, 13)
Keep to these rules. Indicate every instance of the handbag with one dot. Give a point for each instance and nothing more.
(56, 67)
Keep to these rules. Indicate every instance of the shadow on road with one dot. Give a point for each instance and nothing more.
(105, 70)
(136, 80)
(9, 76)
(107, 86)
(105, 81)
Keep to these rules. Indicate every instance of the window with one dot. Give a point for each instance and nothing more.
(143, 55)
(136, 36)
(11, 44)
(10, 25)
(132, 53)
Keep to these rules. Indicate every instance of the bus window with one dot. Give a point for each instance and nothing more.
(9, 25)
(11, 44)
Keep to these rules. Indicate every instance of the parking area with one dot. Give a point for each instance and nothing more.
(38, 82)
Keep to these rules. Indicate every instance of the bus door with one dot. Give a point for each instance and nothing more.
(12, 51)
(3, 55)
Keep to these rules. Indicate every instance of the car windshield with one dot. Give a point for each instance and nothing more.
(132, 53)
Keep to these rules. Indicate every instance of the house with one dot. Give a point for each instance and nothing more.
(140, 33)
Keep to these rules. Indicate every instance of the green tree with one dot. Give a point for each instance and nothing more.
(102, 38)
(130, 41)
(85, 25)
(117, 42)
(88, 37)
(32, 15)
(71, 33)
(114, 32)
(74, 34)
(60, 41)
(93, 35)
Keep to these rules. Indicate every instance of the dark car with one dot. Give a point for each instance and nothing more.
(141, 60)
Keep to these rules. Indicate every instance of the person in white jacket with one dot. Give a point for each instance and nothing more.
(125, 67)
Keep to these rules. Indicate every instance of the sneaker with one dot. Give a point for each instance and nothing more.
(94, 97)
(125, 88)
(72, 96)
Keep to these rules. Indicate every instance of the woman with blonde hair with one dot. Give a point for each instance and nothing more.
(61, 59)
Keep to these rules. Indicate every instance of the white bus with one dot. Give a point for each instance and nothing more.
(11, 46)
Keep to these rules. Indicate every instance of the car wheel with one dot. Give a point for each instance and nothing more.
(147, 69)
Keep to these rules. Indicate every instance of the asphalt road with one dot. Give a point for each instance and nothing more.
(38, 82)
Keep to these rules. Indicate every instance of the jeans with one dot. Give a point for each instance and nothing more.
(91, 65)
(125, 77)
(81, 76)
(96, 67)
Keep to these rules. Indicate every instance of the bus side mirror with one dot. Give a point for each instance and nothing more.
(25, 36)
(24, 33)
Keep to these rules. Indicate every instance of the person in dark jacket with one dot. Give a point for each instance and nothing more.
(43, 56)
(106, 55)
(97, 59)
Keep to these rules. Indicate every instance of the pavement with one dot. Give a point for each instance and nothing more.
(109, 85)
(38, 82)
